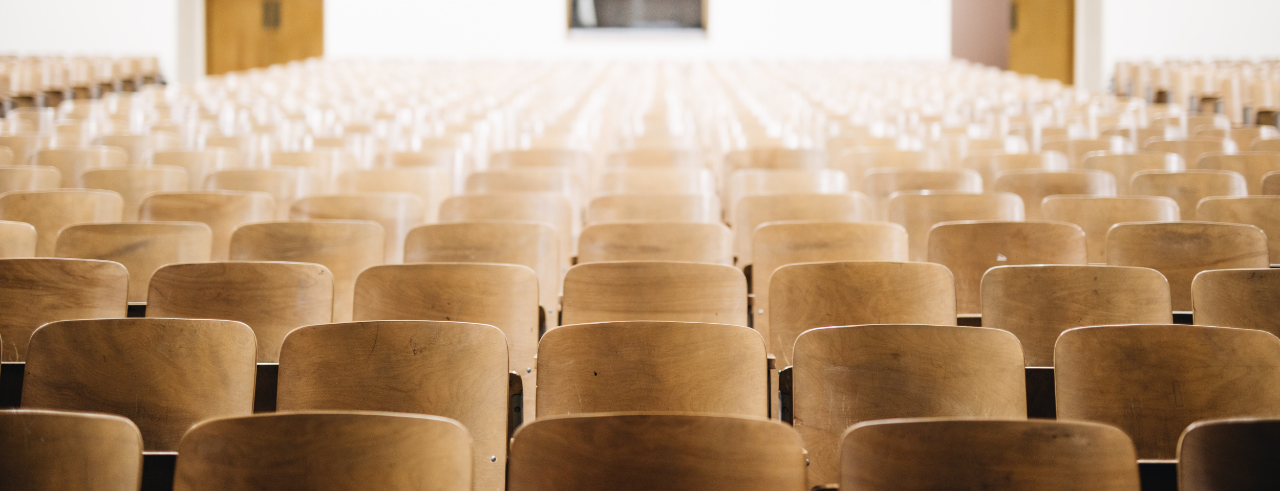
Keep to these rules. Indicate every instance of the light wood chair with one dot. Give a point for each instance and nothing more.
(634, 452)
(881, 183)
(17, 239)
(500, 295)
(1232, 454)
(774, 158)
(813, 295)
(553, 209)
(222, 211)
(345, 247)
(449, 369)
(1271, 184)
(7, 158)
(396, 212)
(1252, 165)
(1181, 250)
(59, 450)
(36, 291)
(1077, 149)
(657, 181)
(163, 374)
(431, 185)
(1152, 381)
(847, 375)
(688, 367)
(25, 146)
(1038, 302)
(1260, 211)
(969, 249)
(1242, 298)
(654, 291)
(141, 247)
(654, 207)
(325, 451)
(327, 163)
(137, 146)
(758, 182)
(919, 211)
(754, 211)
(1267, 145)
(1188, 187)
(51, 210)
(135, 183)
(541, 157)
(991, 164)
(1192, 148)
(1124, 165)
(1096, 215)
(656, 241)
(284, 185)
(655, 158)
(272, 298)
(843, 144)
(440, 158)
(29, 178)
(1033, 186)
(1036, 455)
(855, 164)
(72, 161)
(198, 163)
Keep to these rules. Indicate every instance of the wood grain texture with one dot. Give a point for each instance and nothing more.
(29, 178)
(1260, 211)
(141, 247)
(49, 211)
(754, 211)
(163, 374)
(655, 291)
(656, 241)
(326, 451)
(1181, 250)
(552, 209)
(634, 452)
(1097, 214)
(1124, 165)
(431, 185)
(657, 181)
(1038, 302)
(1077, 149)
(654, 207)
(57, 450)
(272, 298)
(1190, 149)
(1033, 186)
(1252, 165)
(1242, 298)
(17, 239)
(1234, 454)
(133, 184)
(396, 212)
(1188, 187)
(759, 182)
(73, 161)
(345, 247)
(919, 211)
(969, 249)
(1152, 381)
(811, 295)
(880, 183)
(1035, 455)
(846, 375)
(222, 211)
(283, 184)
(36, 291)
(991, 164)
(450, 369)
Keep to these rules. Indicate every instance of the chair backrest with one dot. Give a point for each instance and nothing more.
(442, 158)
(919, 211)
(812, 295)
(6, 156)
(134, 184)
(1191, 148)
(396, 212)
(526, 180)
(1096, 214)
(137, 146)
(1152, 381)
(657, 181)
(1077, 149)
(1036, 455)
(881, 183)
(856, 163)
(654, 207)
(272, 298)
(1038, 302)
(73, 161)
(1188, 187)
(1271, 183)
(164, 374)
(222, 211)
(17, 239)
(1269, 145)
(1124, 165)
(553, 209)
(758, 182)
(60, 450)
(49, 211)
(1243, 298)
(969, 249)
(656, 158)
(141, 247)
(634, 452)
(29, 178)
(345, 247)
(754, 211)
(450, 369)
(774, 158)
(846, 375)
(531, 244)
(35, 291)
(654, 291)
(652, 366)
(1180, 250)
(1033, 186)
(283, 184)
(1252, 165)
(1232, 454)
(991, 164)
(431, 185)
(656, 241)
(540, 157)
(1260, 211)
(198, 163)
(326, 451)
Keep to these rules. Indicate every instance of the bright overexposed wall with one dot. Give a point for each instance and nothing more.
(99, 27)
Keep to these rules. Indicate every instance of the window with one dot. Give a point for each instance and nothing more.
(637, 14)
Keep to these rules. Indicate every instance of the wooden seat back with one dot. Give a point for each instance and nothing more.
(754, 211)
(552, 209)
(657, 181)
(29, 178)
(1241, 298)
(990, 164)
(1232, 454)
(73, 161)
(395, 212)
(52, 210)
(60, 450)
(1033, 186)
(141, 247)
(969, 249)
(655, 291)
(134, 183)
(222, 211)
(430, 184)
(283, 184)
(1260, 211)
(919, 211)
(654, 207)
(1124, 165)
(1252, 165)
(656, 241)
(1180, 250)
(1188, 187)
(17, 239)
(881, 183)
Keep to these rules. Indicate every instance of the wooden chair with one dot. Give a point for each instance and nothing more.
(655, 158)
(654, 207)
(345, 247)
(654, 291)
(991, 164)
(29, 178)
(774, 158)
(59, 450)
(1077, 149)
(164, 374)
(7, 158)
(36, 291)
(847, 375)
(758, 182)
(652, 366)
(754, 211)
(553, 209)
(881, 183)
(134, 184)
(558, 158)
(25, 146)
(431, 185)
(1242, 298)
(396, 212)
(500, 295)
(198, 163)
(812, 295)
(137, 146)
(1038, 302)
(72, 161)
(1033, 186)
(1181, 250)
(919, 211)
(1124, 165)
(1243, 137)
(325, 451)
(657, 181)
(1036, 455)
(449, 369)
(284, 185)
(1096, 215)
(969, 249)
(1191, 149)
(1260, 211)
(634, 452)
(1229, 454)
(326, 163)
(1271, 184)
(272, 298)
(656, 241)
(856, 163)
(222, 211)
(527, 180)
(1152, 381)
(441, 158)
(1188, 187)
(1267, 145)
(1252, 165)
(141, 247)
(17, 239)
(51, 210)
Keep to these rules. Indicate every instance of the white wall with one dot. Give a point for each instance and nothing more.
(107, 27)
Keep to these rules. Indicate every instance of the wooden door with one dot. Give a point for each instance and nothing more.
(243, 34)
(1042, 38)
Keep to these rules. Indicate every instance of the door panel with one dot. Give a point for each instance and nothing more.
(243, 34)
(1042, 38)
